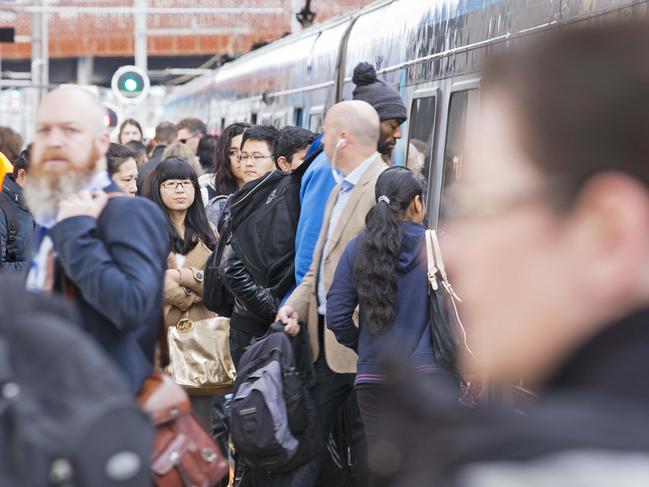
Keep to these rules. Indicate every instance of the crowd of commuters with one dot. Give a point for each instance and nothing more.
(547, 238)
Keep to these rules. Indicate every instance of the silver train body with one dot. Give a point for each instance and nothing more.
(430, 51)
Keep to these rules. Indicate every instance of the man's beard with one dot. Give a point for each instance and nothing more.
(44, 189)
(383, 146)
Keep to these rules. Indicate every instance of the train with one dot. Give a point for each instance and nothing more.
(431, 51)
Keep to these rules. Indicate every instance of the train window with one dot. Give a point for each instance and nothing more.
(315, 122)
(253, 118)
(462, 116)
(420, 138)
(297, 116)
(279, 121)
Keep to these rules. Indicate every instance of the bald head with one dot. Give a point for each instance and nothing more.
(358, 118)
(74, 104)
(70, 133)
(351, 133)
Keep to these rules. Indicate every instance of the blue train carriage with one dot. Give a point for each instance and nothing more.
(432, 52)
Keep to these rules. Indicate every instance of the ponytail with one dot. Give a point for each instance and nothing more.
(379, 247)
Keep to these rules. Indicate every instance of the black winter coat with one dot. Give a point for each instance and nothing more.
(13, 194)
(258, 262)
(255, 306)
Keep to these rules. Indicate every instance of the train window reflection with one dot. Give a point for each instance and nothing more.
(462, 115)
(420, 140)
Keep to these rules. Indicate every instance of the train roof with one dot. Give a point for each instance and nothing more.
(203, 82)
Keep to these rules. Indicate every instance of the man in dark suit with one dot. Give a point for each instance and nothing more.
(165, 134)
(108, 254)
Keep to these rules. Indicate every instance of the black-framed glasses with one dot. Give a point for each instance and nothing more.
(185, 185)
(254, 157)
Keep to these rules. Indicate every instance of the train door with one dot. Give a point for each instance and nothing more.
(460, 124)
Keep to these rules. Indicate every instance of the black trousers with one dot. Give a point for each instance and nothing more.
(371, 398)
(239, 340)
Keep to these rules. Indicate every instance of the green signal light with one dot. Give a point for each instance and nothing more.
(130, 84)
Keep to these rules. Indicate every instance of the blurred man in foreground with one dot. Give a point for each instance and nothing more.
(549, 249)
(106, 254)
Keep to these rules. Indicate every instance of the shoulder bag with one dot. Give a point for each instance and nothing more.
(184, 454)
(447, 329)
(199, 355)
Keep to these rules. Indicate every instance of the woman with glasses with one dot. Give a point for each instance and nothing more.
(228, 177)
(174, 187)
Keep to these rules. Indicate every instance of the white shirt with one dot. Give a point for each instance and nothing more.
(346, 187)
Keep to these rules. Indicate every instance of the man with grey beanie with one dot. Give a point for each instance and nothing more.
(385, 100)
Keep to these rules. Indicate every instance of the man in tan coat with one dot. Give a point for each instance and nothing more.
(351, 132)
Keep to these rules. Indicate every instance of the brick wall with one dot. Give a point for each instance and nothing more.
(111, 35)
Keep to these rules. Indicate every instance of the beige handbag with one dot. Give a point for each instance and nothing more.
(199, 355)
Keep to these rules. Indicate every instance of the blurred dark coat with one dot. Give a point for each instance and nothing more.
(592, 416)
(117, 265)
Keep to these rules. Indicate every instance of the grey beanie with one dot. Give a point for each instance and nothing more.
(385, 99)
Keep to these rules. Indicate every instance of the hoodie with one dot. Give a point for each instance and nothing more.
(410, 334)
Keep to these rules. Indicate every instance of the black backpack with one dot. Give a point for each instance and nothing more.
(273, 418)
(67, 417)
(7, 206)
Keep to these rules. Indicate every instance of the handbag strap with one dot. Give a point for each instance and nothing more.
(438, 263)
(436, 267)
(430, 261)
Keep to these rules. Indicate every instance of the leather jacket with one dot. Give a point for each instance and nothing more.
(254, 306)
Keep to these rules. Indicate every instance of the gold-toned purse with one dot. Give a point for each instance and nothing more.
(199, 354)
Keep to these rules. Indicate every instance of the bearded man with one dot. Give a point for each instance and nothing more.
(105, 252)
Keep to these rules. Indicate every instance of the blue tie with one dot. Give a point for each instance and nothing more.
(346, 186)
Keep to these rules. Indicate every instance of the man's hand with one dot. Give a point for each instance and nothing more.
(289, 317)
(173, 274)
(83, 203)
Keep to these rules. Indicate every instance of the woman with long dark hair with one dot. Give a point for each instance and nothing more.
(228, 174)
(130, 130)
(383, 271)
(174, 187)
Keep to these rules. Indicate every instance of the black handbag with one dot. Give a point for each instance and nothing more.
(447, 329)
(216, 296)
